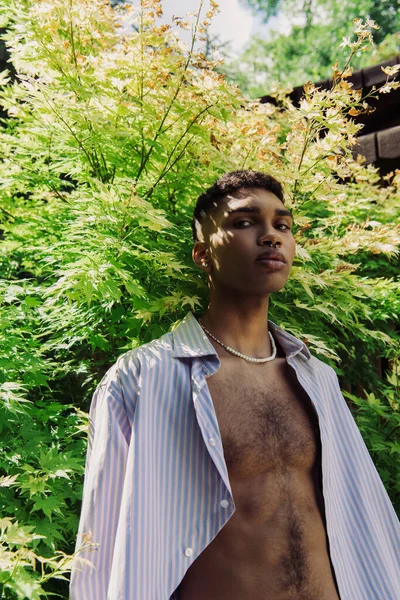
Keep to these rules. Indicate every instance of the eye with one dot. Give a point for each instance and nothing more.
(283, 226)
(242, 223)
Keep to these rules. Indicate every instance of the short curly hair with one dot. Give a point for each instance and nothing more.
(228, 183)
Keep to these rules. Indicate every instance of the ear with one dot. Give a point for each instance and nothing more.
(201, 256)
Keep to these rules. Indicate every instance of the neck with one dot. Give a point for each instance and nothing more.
(241, 323)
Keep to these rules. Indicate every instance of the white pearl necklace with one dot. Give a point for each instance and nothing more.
(248, 358)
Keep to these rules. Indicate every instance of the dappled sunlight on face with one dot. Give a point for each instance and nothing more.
(218, 238)
(242, 226)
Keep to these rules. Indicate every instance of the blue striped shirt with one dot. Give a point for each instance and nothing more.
(157, 490)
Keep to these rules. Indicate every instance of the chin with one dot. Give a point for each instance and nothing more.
(272, 290)
(273, 284)
(249, 286)
(264, 291)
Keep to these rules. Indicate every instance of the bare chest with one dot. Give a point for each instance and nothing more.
(265, 417)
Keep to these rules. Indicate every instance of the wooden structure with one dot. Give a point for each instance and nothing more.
(379, 141)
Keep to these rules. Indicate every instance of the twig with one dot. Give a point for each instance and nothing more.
(159, 130)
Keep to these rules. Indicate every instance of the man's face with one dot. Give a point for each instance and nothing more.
(247, 224)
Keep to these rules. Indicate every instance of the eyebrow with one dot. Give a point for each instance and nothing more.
(279, 212)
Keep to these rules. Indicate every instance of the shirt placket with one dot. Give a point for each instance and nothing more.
(207, 421)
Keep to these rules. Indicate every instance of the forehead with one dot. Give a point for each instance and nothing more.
(264, 200)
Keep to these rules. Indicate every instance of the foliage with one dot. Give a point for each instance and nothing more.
(114, 127)
(309, 49)
(378, 420)
(383, 12)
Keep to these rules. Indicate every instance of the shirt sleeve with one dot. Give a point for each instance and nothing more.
(359, 471)
(108, 443)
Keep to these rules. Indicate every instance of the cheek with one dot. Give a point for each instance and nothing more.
(229, 246)
(292, 250)
(229, 260)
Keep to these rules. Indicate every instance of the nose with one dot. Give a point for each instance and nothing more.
(270, 238)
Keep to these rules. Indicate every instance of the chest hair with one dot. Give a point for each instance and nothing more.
(266, 419)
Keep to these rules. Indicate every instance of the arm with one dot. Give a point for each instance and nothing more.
(109, 436)
(376, 519)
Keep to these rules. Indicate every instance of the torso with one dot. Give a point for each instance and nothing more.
(275, 546)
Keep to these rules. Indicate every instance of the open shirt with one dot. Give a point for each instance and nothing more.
(157, 490)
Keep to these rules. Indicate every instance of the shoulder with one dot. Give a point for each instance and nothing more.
(297, 348)
(322, 367)
(320, 373)
(121, 384)
(158, 350)
(128, 365)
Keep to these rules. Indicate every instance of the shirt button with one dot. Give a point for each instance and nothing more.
(224, 503)
(211, 441)
(189, 551)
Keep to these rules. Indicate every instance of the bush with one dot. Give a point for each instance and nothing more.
(114, 127)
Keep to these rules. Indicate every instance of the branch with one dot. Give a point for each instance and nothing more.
(182, 79)
(166, 168)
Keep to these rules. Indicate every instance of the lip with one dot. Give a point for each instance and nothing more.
(271, 264)
(273, 260)
(271, 255)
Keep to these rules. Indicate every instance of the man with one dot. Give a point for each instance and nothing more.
(223, 461)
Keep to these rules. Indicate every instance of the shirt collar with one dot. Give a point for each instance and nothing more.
(190, 340)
